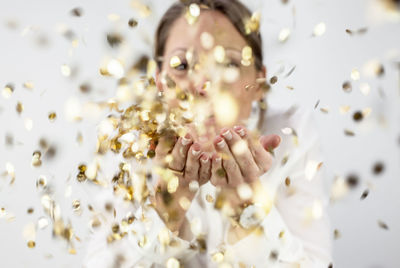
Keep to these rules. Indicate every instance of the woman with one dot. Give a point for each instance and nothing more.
(237, 202)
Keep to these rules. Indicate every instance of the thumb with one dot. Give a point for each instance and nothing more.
(270, 142)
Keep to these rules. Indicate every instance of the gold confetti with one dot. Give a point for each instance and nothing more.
(192, 14)
(65, 70)
(36, 161)
(207, 40)
(383, 225)
(358, 116)
(336, 234)
(185, 203)
(173, 184)
(115, 68)
(355, 75)
(77, 12)
(244, 191)
(173, 263)
(28, 124)
(52, 116)
(365, 88)
(7, 91)
(226, 108)
(219, 54)
(194, 10)
(217, 257)
(347, 86)
(284, 35)
(317, 209)
(252, 24)
(378, 168)
(28, 85)
(247, 56)
(175, 62)
(209, 198)
(364, 194)
(31, 244)
(319, 29)
(349, 132)
(19, 108)
(132, 23)
(42, 223)
(344, 109)
(273, 80)
(287, 181)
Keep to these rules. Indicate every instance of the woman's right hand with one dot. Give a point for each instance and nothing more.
(189, 164)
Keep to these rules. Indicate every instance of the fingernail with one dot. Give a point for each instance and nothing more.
(204, 159)
(196, 149)
(221, 144)
(227, 134)
(185, 141)
(279, 140)
(239, 130)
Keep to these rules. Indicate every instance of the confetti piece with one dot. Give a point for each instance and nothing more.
(175, 62)
(252, 24)
(355, 75)
(364, 194)
(378, 168)
(114, 39)
(31, 244)
(7, 91)
(319, 29)
(284, 35)
(352, 181)
(244, 191)
(65, 70)
(207, 40)
(358, 116)
(347, 87)
(52, 116)
(132, 23)
(115, 68)
(219, 54)
(77, 12)
(365, 88)
(173, 263)
(383, 225)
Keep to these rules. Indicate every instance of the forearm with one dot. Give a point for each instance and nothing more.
(168, 206)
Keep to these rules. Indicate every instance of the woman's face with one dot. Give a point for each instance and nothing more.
(216, 78)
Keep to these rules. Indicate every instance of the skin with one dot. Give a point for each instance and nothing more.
(202, 161)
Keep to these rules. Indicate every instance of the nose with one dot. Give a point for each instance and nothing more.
(200, 84)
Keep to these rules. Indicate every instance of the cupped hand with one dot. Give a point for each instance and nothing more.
(240, 158)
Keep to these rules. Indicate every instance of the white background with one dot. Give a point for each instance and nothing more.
(322, 64)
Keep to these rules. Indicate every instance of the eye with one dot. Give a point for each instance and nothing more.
(182, 67)
(232, 64)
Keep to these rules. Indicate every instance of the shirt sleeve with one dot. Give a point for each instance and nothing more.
(146, 242)
(296, 231)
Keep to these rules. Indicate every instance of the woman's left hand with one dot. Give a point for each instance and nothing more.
(240, 158)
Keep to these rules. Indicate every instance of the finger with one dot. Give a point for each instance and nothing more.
(262, 157)
(229, 164)
(192, 163)
(241, 152)
(218, 175)
(205, 169)
(270, 142)
(164, 147)
(179, 152)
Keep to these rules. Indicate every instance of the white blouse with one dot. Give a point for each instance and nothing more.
(296, 231)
